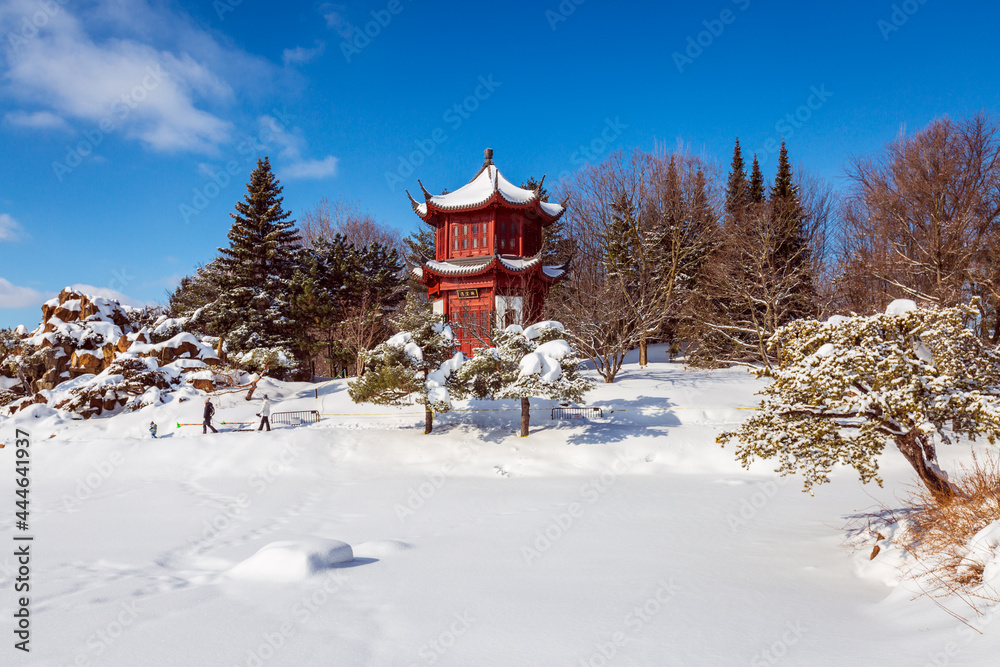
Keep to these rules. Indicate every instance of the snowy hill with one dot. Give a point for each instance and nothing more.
(631, 539)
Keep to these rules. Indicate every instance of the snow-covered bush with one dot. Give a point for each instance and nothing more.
(536, 361)
(846, 387)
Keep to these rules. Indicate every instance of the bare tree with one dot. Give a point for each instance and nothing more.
(748, 292)
(635, 241)
(921, 220)
(363, 326)
(327, 219)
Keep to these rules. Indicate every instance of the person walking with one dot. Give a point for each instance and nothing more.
(265, 413)
(152, 429)
(209, 411)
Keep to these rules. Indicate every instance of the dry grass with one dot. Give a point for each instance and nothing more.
(937, 536)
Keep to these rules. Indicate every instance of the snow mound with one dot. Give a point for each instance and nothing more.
(292, 560)
(984, 551)
(900, 307)
(381, 548)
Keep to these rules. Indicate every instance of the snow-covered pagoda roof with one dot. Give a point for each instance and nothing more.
(476, 265)
(488, 186)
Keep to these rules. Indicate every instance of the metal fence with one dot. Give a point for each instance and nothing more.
(295, 418)
(576, 413)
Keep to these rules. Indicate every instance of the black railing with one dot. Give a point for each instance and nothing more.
(576, 413)
(295, 418)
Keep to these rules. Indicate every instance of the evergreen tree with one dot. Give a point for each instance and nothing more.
(342, 296)
(253, 309)
(195, 292)
(416, 361)
(737, 187)
(621, 239)
(420, 245)
(791, 253)
(756, 188)
(318, 300)
(847, 387)
(557, 247)
(536, 361)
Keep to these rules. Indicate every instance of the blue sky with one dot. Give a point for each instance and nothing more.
(129, 127)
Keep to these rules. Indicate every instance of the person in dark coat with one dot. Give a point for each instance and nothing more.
(209, 411)
(265, 414)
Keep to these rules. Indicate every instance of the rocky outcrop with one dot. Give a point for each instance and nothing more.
(82, 336)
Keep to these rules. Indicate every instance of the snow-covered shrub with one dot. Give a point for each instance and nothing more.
(846, 387)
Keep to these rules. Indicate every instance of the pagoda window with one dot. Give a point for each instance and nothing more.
(466, 230)
(465, 244)
(474, 242)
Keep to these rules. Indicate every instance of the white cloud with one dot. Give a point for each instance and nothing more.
(107, 293)
(291, 146)
(14, 296)
(324, 168)
(38, 120)
(10, 229)
(301, 55)
(159, 78)
(335, 19)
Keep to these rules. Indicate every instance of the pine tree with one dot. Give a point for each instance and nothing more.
(621, 239)
(342, 296)
(253, 310)
(791, 253)
(195, 292)
(557, 247)
(756, 188)
(536, 361)
(319, 298)
(737, 187)
(420, 245)
(416, 361)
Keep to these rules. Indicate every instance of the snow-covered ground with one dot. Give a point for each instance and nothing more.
(628, 540)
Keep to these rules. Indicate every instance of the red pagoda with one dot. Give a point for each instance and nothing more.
(487, 270)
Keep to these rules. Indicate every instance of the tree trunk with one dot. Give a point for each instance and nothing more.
(525, 416)
(253, 388)
(643, 353)
(428, 420)
(914, 445)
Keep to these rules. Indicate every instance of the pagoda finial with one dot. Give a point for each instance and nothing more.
(427, 195)
(488, 155)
